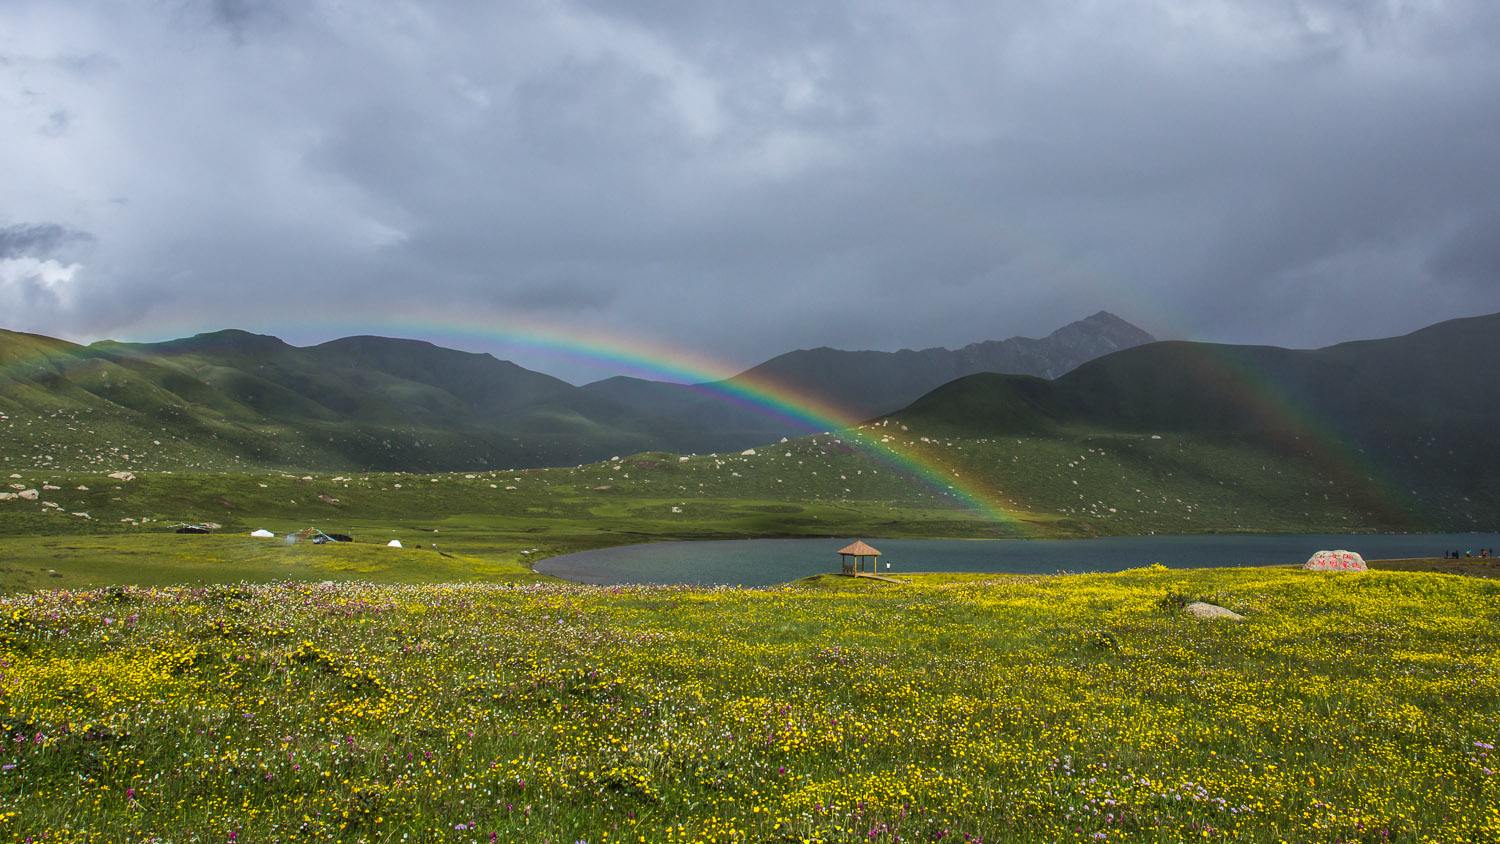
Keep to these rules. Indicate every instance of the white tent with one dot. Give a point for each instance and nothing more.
(1340, 560)
(394, 543)
(262, 534)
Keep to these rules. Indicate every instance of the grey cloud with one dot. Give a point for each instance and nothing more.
(1472, 255)
(241, 18)
(57, 123)
(744, 179)
(560, 295)
(38, 240)
(88, 65)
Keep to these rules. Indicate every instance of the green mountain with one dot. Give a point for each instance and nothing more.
(1411, 417)
(871, 383)
(860, 384)
(1395, 433)
(233, 398)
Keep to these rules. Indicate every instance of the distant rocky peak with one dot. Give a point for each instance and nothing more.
(1106, 325)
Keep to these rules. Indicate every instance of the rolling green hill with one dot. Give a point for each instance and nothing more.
(863, 384)
(233, 399)
(1410, 419)
(1392, 434)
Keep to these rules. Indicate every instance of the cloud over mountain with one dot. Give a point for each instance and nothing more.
(749, 179)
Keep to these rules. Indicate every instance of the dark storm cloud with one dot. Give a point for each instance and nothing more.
(241, 18)
(1472, 255)
(42, 240)
(747, 178)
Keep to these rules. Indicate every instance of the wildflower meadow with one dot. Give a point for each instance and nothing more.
(947, 708)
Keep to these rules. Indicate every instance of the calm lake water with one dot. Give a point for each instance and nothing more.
(761, 562)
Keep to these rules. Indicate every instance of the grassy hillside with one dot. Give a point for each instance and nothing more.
(1166, 438)
(233, 399)
(84, 525)
(862, 384)
(1080, 708)
(1405, 423)
(1085, 485)
(867, 383)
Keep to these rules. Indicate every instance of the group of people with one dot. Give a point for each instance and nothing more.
(1484, 553)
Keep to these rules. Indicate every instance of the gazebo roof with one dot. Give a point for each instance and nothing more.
(859, 549)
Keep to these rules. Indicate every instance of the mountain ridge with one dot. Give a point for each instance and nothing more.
(368, 401)
(1412, 413)
(861, 384)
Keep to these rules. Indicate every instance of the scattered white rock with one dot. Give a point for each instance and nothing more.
(122, 476)
(676, 509)
(50, 487)
(28, 495)
(394, 543)
(82, 488)
(262, 533)
(7, 496)
(749, 452)
(1202, 609)
(1335, 561)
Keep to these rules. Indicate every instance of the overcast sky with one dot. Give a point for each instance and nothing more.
(746, 178)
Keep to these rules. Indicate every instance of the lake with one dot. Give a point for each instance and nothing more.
(762, 562)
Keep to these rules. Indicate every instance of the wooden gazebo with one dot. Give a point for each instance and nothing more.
(853, 557)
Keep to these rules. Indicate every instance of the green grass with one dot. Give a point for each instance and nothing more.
(392, 703)
(80, 562)
(1031, 709)
(1088, 484)
(1468, 566)
(497, 523)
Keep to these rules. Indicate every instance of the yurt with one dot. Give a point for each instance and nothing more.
(394, 543)
(1335, 561)
(262, 534)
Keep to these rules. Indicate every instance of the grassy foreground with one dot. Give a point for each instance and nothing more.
(1077, 708)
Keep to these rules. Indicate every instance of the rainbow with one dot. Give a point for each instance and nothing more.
(1330, 451)
(646, 359)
